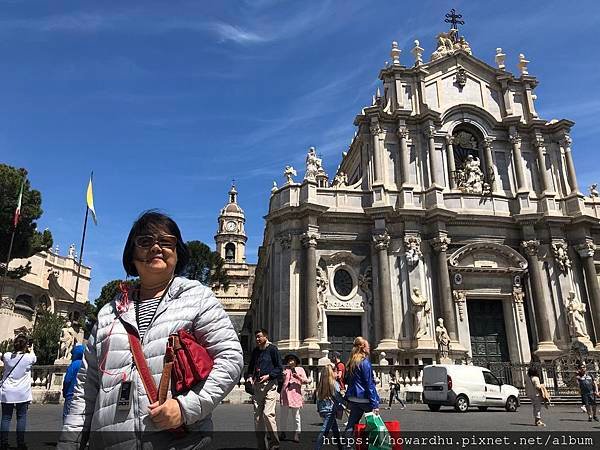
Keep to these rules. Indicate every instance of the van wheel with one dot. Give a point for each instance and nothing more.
(433, 408)
(482, 408)
(462, 403)
(511, 404)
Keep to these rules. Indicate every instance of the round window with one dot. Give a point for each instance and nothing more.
(342, 281)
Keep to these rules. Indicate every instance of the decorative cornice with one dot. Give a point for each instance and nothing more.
(516, 260)
(381, 240)
(531, 247)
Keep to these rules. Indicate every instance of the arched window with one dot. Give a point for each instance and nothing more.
(466, 143)
(230, 252)
(24, 302)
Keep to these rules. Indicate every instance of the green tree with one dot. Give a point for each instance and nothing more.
(46, 335)
(28, 240)
(205, 265)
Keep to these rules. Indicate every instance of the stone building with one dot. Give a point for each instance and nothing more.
(50, 282)
(454, 201)
(231, 245)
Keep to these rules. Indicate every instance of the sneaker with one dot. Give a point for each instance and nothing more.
(583, 409)
(540, 424)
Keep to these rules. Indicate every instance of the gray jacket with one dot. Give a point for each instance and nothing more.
(108, 358)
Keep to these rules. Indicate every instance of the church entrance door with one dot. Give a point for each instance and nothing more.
(488, 333)
(341, 332)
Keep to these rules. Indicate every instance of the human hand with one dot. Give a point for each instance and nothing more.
(166, 416)
(376, 411)
(263, 378)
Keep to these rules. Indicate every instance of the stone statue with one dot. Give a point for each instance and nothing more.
(67, 341)
(576, 314)
(523, 64)
(561, 256)
(594, 190)
(463, 45)
(448, 43)
(500, 59)
(274, 188)
(421, 310)
(443, 339)
(340, 180)
(472, 177)
(288, 173)
(314, 165)
(72, 251)
(417, 52)
(322, 284)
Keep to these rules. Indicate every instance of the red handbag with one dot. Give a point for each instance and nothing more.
(191, 362)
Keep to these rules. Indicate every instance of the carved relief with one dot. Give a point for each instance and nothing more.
(381, 240)
(375, 129)
(561, 255)
(587, 249)
(531, 247)
(285, 241)
(461, 77)
(309, 239)
(412, 249)
(440, 243)
(470, 178)
(518, 298)
(460, 298)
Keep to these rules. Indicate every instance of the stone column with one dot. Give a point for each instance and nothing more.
(490, 175)
(440, 245)
(539, 302)
(515, 140)
(565, 143)
(451, 162)
(309, 302)
(541, 160)
(586, 252)
(382, 242)
(433, 161)
(404, 156)
(377, 169)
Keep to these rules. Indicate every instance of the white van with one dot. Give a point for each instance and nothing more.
(462, 386)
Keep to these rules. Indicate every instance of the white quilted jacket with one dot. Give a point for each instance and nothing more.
(188, 304)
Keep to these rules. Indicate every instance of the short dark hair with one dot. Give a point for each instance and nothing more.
(152, 222)
(533, 372)
(264, 332)
(20, 343)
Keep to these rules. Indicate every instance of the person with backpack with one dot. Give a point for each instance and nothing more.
(71, 377)
(15, 391)
(360, 392)
(265, 370)
(291, 397)
(533, 388)
(339, 369)
(329, 404)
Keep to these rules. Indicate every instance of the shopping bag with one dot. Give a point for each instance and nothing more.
(379, 438)
(360, 436)
(393, 428)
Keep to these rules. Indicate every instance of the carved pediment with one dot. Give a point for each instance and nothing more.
(487, 257)
(343, 256)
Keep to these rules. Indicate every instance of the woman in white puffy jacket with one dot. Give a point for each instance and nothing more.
(161, 304)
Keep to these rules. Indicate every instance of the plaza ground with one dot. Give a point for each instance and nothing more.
(234, 423)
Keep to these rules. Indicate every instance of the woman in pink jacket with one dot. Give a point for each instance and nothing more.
(291, 395)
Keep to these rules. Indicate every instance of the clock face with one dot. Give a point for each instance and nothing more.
(230, 226)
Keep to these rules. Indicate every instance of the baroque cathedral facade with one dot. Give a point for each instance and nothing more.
(456, 204)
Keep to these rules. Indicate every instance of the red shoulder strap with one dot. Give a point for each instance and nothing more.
(140, 362)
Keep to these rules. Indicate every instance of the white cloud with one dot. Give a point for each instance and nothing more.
(227, 32)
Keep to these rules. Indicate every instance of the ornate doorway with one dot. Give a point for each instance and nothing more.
(341, 332)
(488, 333)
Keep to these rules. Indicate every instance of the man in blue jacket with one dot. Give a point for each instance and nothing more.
(71, 377)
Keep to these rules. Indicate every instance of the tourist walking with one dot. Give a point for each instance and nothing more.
(15, 390)
(111, 399)
(360, 384)
(533, 389)
(329, 404)
(71, 378)
(339, 369)
(395, 390)
(265, 371)
(589, 391)
(291, 397)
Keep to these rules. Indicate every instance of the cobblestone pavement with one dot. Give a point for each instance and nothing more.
(415, 418)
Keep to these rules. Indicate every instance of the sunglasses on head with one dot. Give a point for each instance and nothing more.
(163, 241)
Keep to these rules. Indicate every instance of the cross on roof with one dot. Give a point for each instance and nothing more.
(454, 19)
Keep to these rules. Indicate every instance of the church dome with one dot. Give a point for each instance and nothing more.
(232, 208)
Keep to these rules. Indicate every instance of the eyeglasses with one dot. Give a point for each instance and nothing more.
(163, 241)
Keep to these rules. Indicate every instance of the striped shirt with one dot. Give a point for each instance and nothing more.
(144, 312)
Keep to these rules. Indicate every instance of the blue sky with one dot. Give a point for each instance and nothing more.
(168, 101)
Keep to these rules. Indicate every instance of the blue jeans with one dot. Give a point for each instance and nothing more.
(356, 412)
(329, 424)
(7, 412)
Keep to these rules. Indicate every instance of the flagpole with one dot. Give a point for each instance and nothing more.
(12, 239)
(87, 210)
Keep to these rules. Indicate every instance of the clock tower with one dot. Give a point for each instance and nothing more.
(231, 236)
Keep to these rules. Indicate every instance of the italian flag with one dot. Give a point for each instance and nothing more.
(19, 202)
